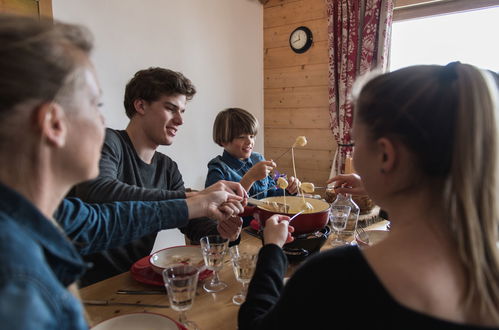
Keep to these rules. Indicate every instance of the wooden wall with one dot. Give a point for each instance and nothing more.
(296, 89)
(34, 8)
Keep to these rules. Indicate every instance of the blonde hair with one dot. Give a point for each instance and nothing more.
(447, 117)
(231, 123)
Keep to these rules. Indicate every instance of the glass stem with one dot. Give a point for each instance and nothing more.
(182, 317)
(244, 289)
(215, 279)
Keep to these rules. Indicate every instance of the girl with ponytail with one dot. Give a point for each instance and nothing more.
(426, 149)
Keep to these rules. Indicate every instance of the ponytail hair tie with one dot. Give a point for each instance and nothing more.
(448, 72)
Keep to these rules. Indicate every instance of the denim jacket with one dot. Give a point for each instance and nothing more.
(38, 261)
(227, 167)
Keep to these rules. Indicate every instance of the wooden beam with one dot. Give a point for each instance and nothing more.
(440, 7)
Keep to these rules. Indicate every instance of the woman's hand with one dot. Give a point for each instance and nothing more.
(348, 184)
(277, 230)
(218, 205)
(293, 185)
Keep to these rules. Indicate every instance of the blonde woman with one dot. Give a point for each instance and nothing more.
(51, 133)
(426, 149)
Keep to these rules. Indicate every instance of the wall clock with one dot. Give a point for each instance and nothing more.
(301, 39)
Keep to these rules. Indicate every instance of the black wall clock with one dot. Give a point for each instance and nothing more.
(301, 39)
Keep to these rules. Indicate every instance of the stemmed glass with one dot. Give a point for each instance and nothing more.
(214, 249)
(243, 264)
(181, 283)
(339, 218)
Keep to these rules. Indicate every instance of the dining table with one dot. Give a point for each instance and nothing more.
(210, 310)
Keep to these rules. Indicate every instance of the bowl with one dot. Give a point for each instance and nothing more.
(188, 254)
(375, 236)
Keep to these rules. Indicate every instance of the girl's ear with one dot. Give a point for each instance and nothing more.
(52, 123)
(387, 155)
(139, 106)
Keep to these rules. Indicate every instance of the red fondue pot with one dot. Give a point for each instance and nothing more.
(304, 223)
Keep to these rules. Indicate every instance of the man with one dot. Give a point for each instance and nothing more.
(132, 169)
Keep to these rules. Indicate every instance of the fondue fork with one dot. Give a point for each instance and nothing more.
(280, 206)
(294, 216)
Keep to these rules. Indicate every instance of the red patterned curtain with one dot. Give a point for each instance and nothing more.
(359, 41)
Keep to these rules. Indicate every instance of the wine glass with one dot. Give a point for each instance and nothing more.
(243, 264)
(339, 217)
(181, 283)
(214, 249)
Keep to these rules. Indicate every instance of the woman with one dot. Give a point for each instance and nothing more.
(426, 149)
(51, 133)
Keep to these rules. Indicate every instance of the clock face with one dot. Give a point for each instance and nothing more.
(300, 39)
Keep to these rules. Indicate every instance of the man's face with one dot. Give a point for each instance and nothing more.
(162, 118)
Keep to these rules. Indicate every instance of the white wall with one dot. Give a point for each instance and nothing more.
(218, 44)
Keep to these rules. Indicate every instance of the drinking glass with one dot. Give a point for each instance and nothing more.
(181, 283)
(214, 249)
(339, 217)
(244, 264)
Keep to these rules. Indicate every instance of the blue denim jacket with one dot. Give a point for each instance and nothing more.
(38, 261)
(227, 167)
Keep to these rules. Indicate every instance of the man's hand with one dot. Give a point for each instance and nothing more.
(277, 230)
(230, 228)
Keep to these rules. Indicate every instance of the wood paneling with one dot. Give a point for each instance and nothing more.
(318, 139)
(19, 7)
(279, 36)
(297, 76)
(33, 8)
(284, 56)
(296, 97)
(294, 12)
(297, 118)
(296, 90)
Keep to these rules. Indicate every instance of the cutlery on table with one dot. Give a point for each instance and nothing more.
(161, 292)
(117, 303)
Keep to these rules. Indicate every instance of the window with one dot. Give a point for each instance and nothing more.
(469, 37)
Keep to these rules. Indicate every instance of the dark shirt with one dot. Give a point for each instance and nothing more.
(123, 176)
(38, 261)
(336, 289)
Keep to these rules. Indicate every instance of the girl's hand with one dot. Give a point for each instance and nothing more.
(348, 184)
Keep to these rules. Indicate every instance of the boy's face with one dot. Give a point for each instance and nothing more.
(161, 119)
(241, 146)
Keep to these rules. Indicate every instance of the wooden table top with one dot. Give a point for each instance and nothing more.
(210, 310)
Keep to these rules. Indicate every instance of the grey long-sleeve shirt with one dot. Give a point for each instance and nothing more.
(124, 176)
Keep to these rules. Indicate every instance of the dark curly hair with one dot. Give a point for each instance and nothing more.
(150, 84)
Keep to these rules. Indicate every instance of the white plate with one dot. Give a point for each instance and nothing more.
(134, 321)
(176, 255)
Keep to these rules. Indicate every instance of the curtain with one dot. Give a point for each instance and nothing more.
(359, 41)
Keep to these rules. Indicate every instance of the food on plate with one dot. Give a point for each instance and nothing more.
(307, 187)
(282, 183)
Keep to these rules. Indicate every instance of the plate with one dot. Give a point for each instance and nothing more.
(189, 254)
(133, 321)
(142, 272)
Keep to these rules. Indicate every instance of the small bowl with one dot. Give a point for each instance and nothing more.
(375, 236)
